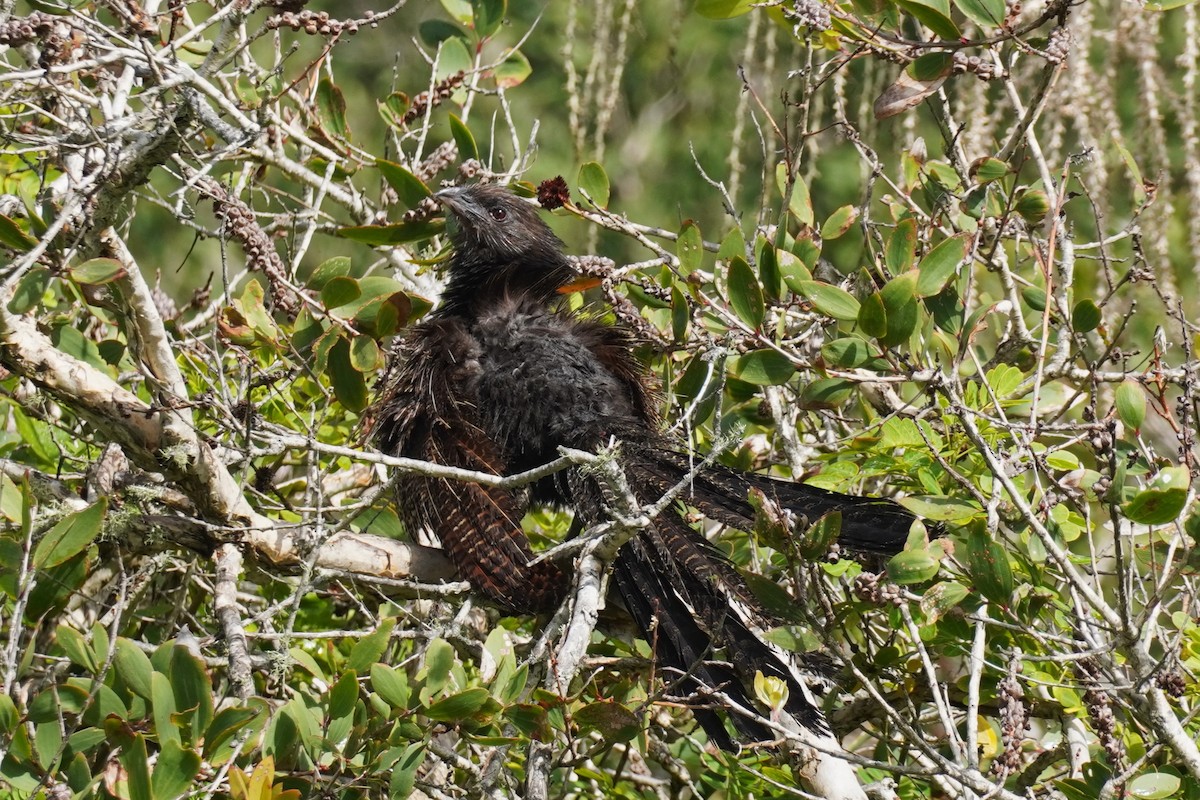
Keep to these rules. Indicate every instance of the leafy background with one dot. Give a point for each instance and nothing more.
(937, 249)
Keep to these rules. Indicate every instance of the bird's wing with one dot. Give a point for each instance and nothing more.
(427, 410)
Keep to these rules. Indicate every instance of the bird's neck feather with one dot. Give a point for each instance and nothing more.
(476, 282)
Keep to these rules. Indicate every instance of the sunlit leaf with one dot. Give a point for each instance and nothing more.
(940, 264)
(763, 367)
(593, 181)
(839, 222)
(70, 535)
(830, 300)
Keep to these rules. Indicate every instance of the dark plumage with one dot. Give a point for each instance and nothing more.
(497, 379)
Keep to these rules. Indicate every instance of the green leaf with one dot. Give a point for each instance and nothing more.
(848, 352)
(800, 202)
(409, 188)
(133, 667)
(899, 298)
(763, 367)
(901, 247)
(921, 78)
(745, 295)
(1131, 404)
(30, 291)
(989, 169)
(839, 222)
(98, 271)
(912, 566)
(336, 267)
(593, 181)
(1154, 786)
(368, 650)
(940, 508)
(467, 149)
(941, 598)
(1139, 185)
(364, 354)
(439, 660)
(225, 725)
(826, 393)
(723, 9)
(193, 689)
(613, 721)
(70, 536)
(340, 291)
(935, 19)
(1033, 205)
(162, 704)
(940, 264)
(988, 566)
(331, 109)
(872, 316)
(12, 236)
(137, 769)
(681, 314)
(349, 385)
(1167, 5)
(404, 773)
(391, 684)
(1085, 316)
(985, 13)
(401, 233)
(830, 300)
(689, 247)
(76, 647)
(1163, 501)
(487, 16)
(459, 706)
(174, 771)
(513, 70)
(435, 31)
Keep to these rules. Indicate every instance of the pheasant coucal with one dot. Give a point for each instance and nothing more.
(497, 378)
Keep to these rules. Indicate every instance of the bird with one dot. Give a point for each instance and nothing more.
(498, 378)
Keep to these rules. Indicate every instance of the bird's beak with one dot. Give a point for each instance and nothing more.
(460, 206)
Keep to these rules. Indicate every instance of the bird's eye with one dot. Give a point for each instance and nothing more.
(498, 213)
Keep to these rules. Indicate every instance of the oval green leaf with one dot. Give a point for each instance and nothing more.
(409, 188)
(459, 706)
(70, 536)
(745, 295)
(98, 271)
(940, 264)
(912, 566)
(593, 181)
(1131, 404)
(690, 248)
(763, 367)
(830, 300)
(839, 222)
(899, 298)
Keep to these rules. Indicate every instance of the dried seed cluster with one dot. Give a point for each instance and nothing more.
(872, 588)
(1014, 719)
(808, 16)
(1099, 707)
(239, 224)
(313, 23)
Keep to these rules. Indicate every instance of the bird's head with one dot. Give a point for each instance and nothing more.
(500, 244)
